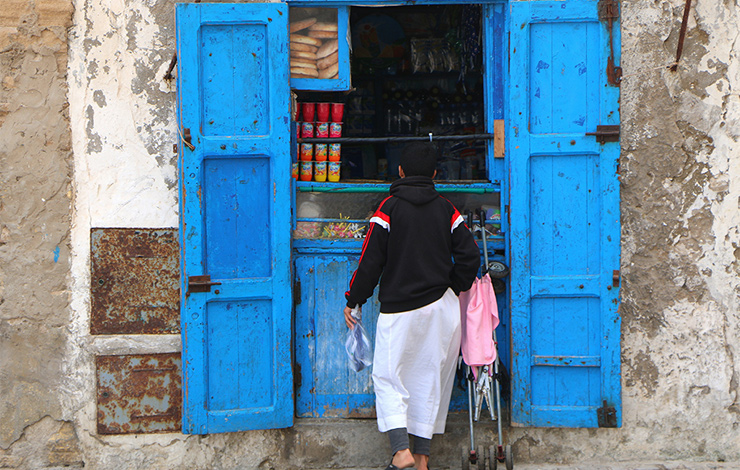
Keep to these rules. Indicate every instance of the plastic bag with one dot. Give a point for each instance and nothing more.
(358, 346)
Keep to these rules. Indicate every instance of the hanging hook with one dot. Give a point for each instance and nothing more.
(430, 137)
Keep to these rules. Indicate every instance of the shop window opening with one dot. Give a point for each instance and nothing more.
(417, 72)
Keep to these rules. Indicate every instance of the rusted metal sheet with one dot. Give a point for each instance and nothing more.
(139, 393)
(135, 286)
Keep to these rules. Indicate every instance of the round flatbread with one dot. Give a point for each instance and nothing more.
(299, 38)
(323, 34)
(323, 26)
(328, 61)
(297, 46)
(328, 48)
(329, 72)
(303, 24)
(304, 72)
(303, 55)
(302, 63)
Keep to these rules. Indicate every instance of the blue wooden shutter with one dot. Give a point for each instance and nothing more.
(234, 98)
(564, 211)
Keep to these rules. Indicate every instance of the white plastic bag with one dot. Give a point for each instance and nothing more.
(358, 346)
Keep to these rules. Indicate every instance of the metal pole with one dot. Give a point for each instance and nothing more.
(380, 140)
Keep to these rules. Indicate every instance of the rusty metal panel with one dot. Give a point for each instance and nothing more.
(139, 393)
(135, 283)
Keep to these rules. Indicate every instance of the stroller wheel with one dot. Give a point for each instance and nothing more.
(509, 456)
(481, 459)
(498, 270)
(466, 458)
(492, 460)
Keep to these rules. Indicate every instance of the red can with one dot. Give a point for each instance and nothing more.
(335, 129)
(322, 129)
(307, 130)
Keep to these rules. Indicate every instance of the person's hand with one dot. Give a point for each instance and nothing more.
(349, 319)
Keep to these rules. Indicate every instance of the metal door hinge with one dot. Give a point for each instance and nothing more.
(615, 278)
(201, 283)
(606, 416)
(608, 9)
(606, 133)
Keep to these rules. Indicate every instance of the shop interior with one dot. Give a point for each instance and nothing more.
(415, 70)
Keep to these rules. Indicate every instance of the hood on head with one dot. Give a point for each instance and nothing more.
(417, 190)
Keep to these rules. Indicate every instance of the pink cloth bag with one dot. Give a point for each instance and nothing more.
(479, 312)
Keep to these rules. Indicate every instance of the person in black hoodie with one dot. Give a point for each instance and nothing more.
(418, 241)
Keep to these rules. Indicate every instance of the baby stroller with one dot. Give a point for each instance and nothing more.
(482, 367)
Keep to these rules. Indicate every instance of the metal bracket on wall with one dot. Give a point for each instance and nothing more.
(608, 12)
(606, 416)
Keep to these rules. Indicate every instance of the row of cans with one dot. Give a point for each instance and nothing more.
(320, 152)
(317, 171)
(320, 129)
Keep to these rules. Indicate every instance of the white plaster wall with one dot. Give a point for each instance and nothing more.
(123, 129)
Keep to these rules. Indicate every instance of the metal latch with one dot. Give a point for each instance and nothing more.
(606, 416)
(615, 278)
(606, 133)
(201, 283)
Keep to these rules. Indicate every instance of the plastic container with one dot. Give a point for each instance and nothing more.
(335, 152)
(320, 152)
(309, 111)
(335, 129)
(322, 111)
(319, 173)
(294, 171)
(306, 152)
(337, 112)
(307, 130)
(306, 171)
(322, 129)
(334, 170)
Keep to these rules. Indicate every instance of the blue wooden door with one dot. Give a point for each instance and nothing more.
(564, 212)
(234, 100)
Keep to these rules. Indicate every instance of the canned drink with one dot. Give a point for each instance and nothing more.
(306, 152)
(306, 171)
(322, 129)
(335, 152)
(335, 129)
(307, 130)
(320, 152)
(319, 173)
(334, 170)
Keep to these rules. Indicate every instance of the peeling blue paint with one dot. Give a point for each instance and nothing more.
(542, 66)
(56, 254)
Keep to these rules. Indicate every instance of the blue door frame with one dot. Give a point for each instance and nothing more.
(237, 338)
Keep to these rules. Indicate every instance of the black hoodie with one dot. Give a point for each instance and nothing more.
(419, 242)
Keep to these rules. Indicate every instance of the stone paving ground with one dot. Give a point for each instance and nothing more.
(682, 465)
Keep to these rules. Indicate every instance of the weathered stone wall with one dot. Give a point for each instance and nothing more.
(680, 199)
(35, 202)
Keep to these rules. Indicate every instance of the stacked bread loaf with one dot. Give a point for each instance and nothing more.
(313, 49)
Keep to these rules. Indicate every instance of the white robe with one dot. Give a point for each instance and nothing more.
(414, 366)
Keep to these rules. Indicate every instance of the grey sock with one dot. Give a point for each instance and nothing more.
(399, 439)
(422, 445)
